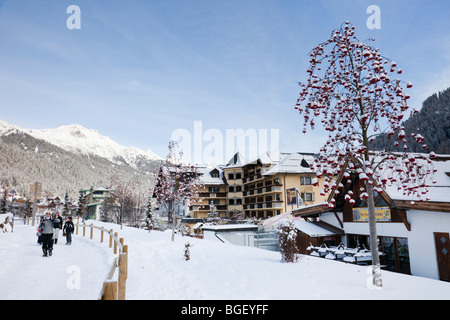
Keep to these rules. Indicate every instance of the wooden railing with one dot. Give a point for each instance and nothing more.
(112, 289)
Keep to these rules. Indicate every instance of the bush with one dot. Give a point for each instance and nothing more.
(287, 241)
(187, 254)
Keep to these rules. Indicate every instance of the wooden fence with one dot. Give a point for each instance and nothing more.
(112, 289)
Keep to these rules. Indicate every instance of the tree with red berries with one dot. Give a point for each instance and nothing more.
(351, 88)
(176, 183)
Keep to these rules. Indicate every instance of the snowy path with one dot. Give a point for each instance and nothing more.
(66, 275)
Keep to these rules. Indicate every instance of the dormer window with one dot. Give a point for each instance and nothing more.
(215, 173)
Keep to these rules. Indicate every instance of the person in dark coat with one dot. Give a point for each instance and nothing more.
(46, 228)
(57, 225)
(39, 233)
(68, 230)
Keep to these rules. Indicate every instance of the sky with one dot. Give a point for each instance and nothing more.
(144, 71)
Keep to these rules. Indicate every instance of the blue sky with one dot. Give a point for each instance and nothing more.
(138, 70)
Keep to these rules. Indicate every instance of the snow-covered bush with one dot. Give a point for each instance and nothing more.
(287, 240)
(187, 254)
(6, 222)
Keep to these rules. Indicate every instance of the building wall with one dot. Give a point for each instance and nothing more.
(202, 209)
(421, 243)
(236, 194)
(265, 188)
(422, 250)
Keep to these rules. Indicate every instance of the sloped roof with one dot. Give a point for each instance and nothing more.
(311, 229)
(207, 179)
(236, 161)
(269, 157)
(292, 163)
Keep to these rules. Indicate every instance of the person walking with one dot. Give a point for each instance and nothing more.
(46, 228)
(39, 233)
(57, 225)
(68, 230)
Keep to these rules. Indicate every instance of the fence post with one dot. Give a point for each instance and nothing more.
(115, 243)
(110, 237)
(109, 290)
(122, 276)
(84, 229)
(92, 231)
(125, 250)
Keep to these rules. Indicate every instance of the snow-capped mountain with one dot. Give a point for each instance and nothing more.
(68, 159)
(76, 138)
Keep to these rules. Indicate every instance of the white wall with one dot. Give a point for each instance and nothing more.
(422, 250)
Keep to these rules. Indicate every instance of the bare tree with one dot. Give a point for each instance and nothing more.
(125, 198)
(176, 182)
(352, 90)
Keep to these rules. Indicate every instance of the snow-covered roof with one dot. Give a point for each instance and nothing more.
(437, 191)
(292, 163)
(230, 227)
(312, 229)
(269, 157)
(207, 178)
(236, 161)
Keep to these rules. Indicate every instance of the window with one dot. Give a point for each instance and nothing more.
(238, 175)
(396, 254)
(231, 189)
(231, 201)
(238, 201)
(307, 196)
(215, 173)
(214, 189)
(231, 176)
(238, 188)
(305, 180)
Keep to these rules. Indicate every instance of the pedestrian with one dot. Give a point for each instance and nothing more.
(46, 228)
(68, 230)
(57, 225)
(39, 233)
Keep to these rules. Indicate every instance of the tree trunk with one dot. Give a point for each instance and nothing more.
(173, 227)
(171, 217)
(376, 271)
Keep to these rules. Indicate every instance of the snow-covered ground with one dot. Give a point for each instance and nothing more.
(157, 270)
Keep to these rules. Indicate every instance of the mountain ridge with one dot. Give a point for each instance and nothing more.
(25, 158)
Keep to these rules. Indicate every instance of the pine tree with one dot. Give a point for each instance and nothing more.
(66, 211)
(81, 208)
(3, 206)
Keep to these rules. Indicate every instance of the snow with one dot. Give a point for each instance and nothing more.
(76, 138)
(311, 229)
(216, 271)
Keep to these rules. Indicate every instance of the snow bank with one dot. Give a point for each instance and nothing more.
(157, 270)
